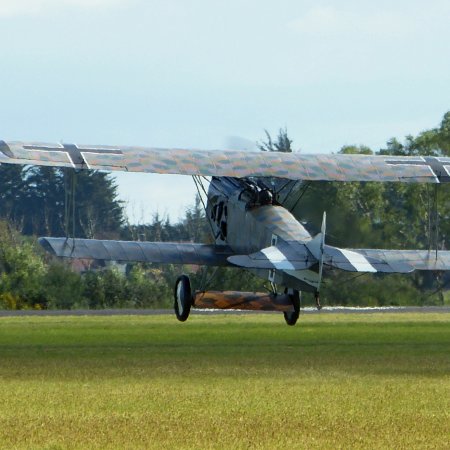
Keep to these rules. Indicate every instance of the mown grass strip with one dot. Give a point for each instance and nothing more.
(333, 381)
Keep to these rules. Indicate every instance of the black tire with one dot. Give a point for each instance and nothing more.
(182, 298)
(291, 317)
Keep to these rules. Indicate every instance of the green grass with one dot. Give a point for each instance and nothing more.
(333, 381)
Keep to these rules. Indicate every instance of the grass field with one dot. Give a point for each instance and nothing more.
(333, 381)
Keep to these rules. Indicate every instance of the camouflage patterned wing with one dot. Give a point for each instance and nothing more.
(294, 166)
(128, 251)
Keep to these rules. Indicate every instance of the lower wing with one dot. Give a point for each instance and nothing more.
(131, 251)
(288, 256)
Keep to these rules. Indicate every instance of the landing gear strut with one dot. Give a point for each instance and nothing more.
(182, 298)
(317, 297)
(291, 317)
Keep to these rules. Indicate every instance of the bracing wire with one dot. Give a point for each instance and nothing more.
(439, 289)
(348, 280)
(284, 185)
(303, 192)
(198, 184)
(208, 280)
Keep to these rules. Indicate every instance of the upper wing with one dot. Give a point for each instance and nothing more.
(129, 251)
(294, 166)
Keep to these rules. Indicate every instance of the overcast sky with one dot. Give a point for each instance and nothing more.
(193, 73)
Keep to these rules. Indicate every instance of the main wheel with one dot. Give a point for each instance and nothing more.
(291, 317)
(182, 298)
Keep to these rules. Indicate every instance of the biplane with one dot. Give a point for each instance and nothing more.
(251, 227)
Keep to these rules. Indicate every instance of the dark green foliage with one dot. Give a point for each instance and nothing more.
(141, 288)
(147, 288)
(234, 279)
(21, 271)
(193, 227)
(373, 290)
(12, 193)
(282, 144)
(38, 201)
(30, 279)
(94, 290)
(63, 287)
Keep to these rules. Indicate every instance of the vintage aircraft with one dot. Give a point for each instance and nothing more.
(251, 228)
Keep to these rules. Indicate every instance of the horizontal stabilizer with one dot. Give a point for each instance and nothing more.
(291, 255)
(418, 259)
(130, 251)
(356, 261)
(285, 256)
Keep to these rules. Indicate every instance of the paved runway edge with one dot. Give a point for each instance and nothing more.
(155, 312)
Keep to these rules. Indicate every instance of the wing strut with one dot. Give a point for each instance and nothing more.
(322, 247)
(317, 247)
(433, 221)
(70, 178)
(436, 218)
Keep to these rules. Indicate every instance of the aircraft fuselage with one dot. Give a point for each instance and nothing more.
(245, 216)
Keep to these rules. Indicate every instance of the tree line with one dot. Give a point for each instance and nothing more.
(36, 201)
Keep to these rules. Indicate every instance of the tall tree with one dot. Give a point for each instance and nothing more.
(12, 188)
(281, 144)
(53, 201)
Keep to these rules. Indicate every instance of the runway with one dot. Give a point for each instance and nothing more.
(155, 312)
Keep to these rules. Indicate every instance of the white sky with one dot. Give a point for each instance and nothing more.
(191, 73)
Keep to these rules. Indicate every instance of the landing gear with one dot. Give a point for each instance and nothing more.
(317, 297)
(183, 298)
(291, 317)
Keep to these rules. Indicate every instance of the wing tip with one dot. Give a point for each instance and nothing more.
(45, 244)
(4, 148)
